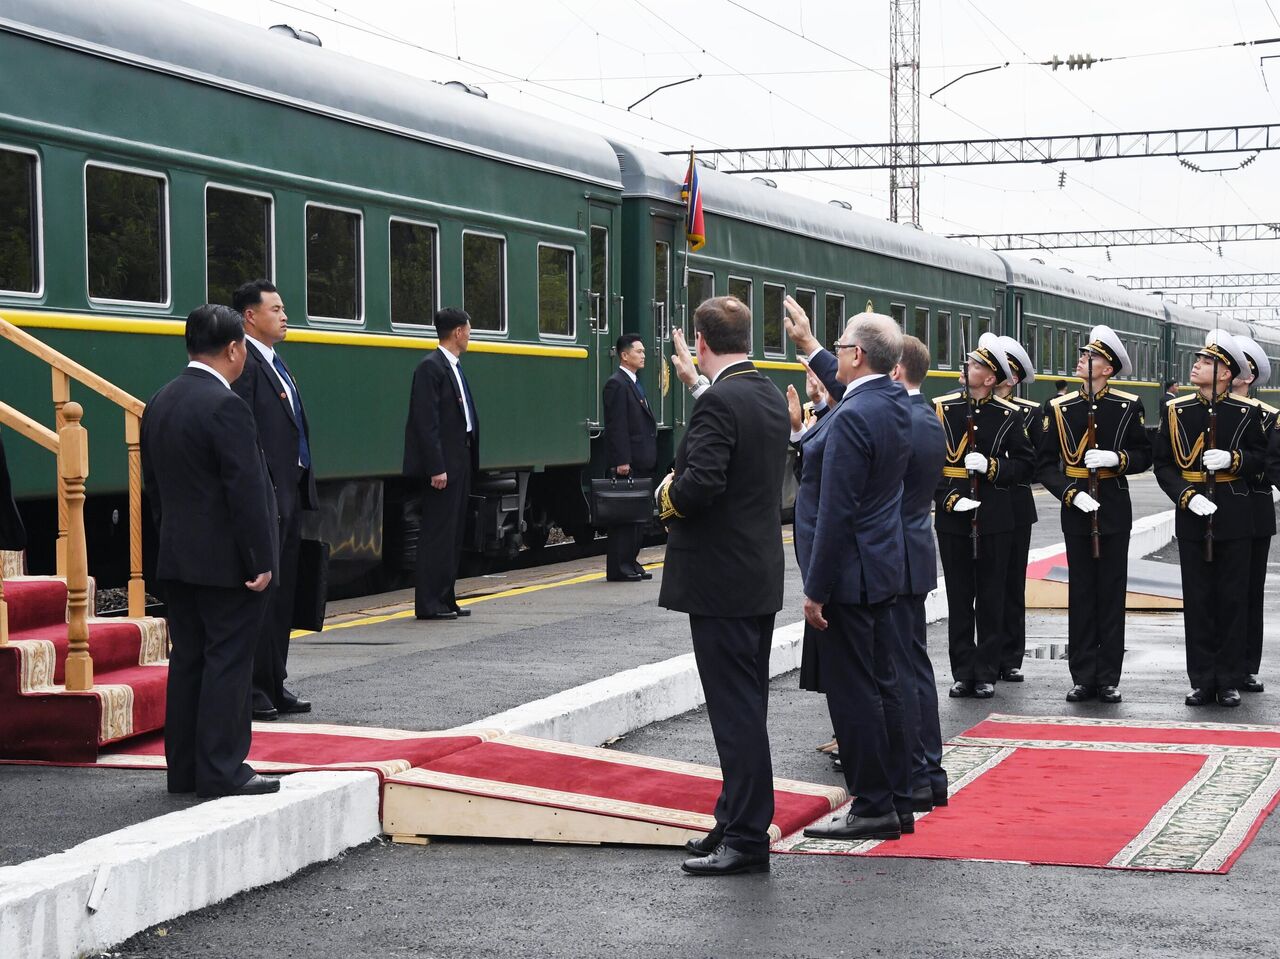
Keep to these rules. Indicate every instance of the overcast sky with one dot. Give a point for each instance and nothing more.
(793, 72)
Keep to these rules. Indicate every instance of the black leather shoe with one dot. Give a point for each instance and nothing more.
(1228, 697)
(922, 799)
(443, 614)
(836, 764)
(1252, 685)
(983, 690)
(1011, 675)
(940, 798)
(708, 843)
(857, 827)
(1078, 693)
(906, 823)
(960, 689)
(462, 612)
(628, 578)
(726, 861)
(1109, 694)
(254, 786)
(1198, 697)
(645, 574)
(269, 715)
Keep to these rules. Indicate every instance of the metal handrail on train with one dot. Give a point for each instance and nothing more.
(64, 370)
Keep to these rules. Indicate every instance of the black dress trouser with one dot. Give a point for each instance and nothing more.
(1215, 600)
(208, 718)
(975, 596)
(1259, 551)
(271, 656)
(624, 545)
(1014, 649)
(440, 533)
(921, 726)
(864, 697)
(732, 654)
(1095, 618)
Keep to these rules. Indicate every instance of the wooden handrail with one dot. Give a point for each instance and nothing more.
(63, 370)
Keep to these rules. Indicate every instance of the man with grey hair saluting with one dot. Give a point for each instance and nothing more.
(848, 529)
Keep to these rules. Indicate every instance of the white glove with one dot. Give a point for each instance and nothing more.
(1084, 502)
(1202, 505)
(975, 462)
(964, 504)
(1101, 459)
(1216, 459)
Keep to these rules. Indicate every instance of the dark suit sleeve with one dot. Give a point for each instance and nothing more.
(1273, 454)
(617, 435)
(824, 365)
(424, 417)
(244, 485)
(846, 463)
(709, 445)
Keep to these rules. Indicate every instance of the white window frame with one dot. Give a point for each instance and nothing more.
(751, 347)
(928, 324)
(951, 362)
(430, 325)
(572, 336)
(271, 201)
(306, 267)
(844, 317)
(39, 223)
(781, 319)
(168, 235)
(608, 262)
(503, 331)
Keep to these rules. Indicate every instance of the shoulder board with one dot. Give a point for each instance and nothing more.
(1123, 395)
(1004, 403)
(1023, 401)
(1266, 408)
(1246, 401)
(1064, 398)
(1181, 400)
(948, 398)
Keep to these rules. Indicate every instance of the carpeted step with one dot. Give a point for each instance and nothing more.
(113, 644)
(34, 602)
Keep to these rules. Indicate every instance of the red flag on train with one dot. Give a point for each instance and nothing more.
(691, 194)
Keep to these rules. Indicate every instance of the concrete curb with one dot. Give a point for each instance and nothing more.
(105, 890)
(596, 712)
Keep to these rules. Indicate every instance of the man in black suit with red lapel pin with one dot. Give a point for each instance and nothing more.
(631, 444)
(442, 449)
(271, 391)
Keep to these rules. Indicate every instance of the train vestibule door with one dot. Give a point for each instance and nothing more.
(662, 305)
(604, 302)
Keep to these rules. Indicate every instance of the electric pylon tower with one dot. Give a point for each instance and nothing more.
(904, 110)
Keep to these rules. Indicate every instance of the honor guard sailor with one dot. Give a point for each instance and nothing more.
(1091, 440)
(988, 454)
(1264, 520)
(1210, 444)
(1014, 645)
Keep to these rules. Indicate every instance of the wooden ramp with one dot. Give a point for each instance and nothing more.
(517, 787)
(1150, 585)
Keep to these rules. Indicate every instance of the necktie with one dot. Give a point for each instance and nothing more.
(640, 390)
(466, 399)
(304, 449)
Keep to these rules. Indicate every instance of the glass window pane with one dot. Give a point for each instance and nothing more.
(333, 263)
(741, 289)
(834, 325)
(984, 325)
(920, 325)
(942, 340)
(19, 246)
(555, 299)
(899, 314)
(701, 288)
(966, 333)
(413, 273)
(483, 281)
(774, 341)
(124, 223)
(1046, 349)
(599, 299)
(1033, 346)
(808, 301)
(661, 290)
(1064, 348)
(237, 236)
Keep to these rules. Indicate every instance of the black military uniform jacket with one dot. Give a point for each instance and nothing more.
(1118, 426)
(1024, 502)
(1000, 436)
(1264, 507)
(1184, 435)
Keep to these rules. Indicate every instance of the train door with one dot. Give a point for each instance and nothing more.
(603, 302)
(659, 342)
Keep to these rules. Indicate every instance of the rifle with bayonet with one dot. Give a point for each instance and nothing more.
(971, 433)
(1091, 442)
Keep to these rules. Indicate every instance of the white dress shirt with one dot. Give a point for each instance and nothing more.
(269, 354)
(630, 373)
(457, 375)
(197, 365)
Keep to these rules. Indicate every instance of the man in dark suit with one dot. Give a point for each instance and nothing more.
(724, 565)
(442, 449)
(848, 530)
(211, 499)
(271, 391)
(631, 444)
(928, 454)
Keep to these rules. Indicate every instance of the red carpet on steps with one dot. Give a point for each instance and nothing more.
(35, 602)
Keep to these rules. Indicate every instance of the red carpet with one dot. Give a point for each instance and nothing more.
(1104, 793)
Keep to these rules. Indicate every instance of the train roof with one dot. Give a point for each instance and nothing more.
(649, 174)
(1185, 316)
(176, 38)
(1036, 276)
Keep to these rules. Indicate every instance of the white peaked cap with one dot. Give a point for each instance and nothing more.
(1257, 356)
(1104, 342)
(1017, 355)
(991, 354)
(1223, 346)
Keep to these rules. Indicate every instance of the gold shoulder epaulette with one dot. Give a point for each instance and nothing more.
(1267, 408)
(1023, 401)
(1122, 394)
(1178, 400)
(948, 397)
(1240, 400)
(1001, 401)
(1064, 398)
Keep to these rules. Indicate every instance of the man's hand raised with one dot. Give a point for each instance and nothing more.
(799, 327)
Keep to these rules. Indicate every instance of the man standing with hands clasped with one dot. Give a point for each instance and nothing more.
(631, 445)
(722, 506)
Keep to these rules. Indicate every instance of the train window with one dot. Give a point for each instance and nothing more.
(1032, 344)
(1046, 349)
(808, 301)
(899, 314)
(19, 222)
(920, 325)
(661, 290)
(984, 325)
(942, 340)
(702, 286)
(126, 226)
(741, 289)
(775, 343)
(334, 267)
(413, 249)
(1064, 350)
(555, 283)
(598, 295)
(966, 332)
(484, 280)
(833, 317)
(237, 240)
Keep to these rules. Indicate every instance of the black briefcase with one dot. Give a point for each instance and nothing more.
(313, 585)
(620, 500)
